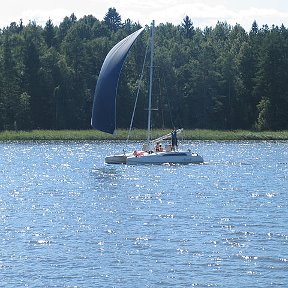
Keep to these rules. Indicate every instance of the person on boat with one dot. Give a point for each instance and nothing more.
(138, 153)
(174, 140)
(158, 147)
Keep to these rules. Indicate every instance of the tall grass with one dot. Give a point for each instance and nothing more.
(198, 134)
(235, 135)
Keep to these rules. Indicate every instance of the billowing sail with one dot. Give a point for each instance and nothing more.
(104, 110)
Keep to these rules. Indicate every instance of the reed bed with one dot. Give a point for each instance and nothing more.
(138, 134)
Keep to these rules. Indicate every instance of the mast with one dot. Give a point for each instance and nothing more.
(150, 84)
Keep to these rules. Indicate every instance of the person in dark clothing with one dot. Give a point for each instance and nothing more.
(174, 143)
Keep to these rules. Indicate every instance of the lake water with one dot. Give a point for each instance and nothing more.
(69, 220)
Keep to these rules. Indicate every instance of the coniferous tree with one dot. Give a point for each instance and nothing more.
(220, 77)
(49, 33)
(188, 28)
(10, 89)
(112, 19)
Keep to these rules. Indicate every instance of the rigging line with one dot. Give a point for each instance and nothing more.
(137, 95)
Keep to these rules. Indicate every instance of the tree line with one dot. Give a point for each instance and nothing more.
(220, 77)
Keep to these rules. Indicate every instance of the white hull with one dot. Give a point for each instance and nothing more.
(116, 159)
(183, 157)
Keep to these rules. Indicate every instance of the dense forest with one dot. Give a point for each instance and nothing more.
(221, 77)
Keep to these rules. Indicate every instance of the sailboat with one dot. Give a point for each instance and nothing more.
(104, 110)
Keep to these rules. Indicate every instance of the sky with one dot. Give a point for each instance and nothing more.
(202, 12)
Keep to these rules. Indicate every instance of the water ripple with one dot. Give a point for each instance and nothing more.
(69, 220)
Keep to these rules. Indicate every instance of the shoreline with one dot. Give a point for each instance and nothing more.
(139, 135)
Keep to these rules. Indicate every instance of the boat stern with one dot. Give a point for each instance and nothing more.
(116, 159)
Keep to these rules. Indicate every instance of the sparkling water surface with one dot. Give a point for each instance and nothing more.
(69, 220)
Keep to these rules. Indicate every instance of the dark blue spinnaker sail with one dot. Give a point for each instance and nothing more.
(104, 110)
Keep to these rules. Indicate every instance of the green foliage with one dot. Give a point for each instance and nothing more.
(220, 78)
(23, 115)
(188, 28)
(112, 19)
(263, 121)
(140, 135)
